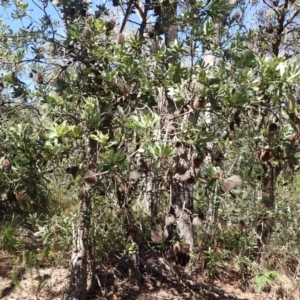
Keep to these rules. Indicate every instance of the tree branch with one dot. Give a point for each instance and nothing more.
(126, 16)
(193, 285)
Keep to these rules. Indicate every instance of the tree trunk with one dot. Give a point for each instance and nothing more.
(171, 33)
(268, 184)
(182, 192)
(182, 208)
(78, 281)
(79, 260)
(150, 200)
(265, 222)
(134, 273)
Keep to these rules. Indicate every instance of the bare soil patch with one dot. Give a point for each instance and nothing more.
(113, 284)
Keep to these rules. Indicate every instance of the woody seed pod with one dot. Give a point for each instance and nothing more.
(121, 38)
(73, 170)
(2, 110)
(266, 155)
(6, 164)
(134, 177)
(231, 183)
(87, 32)
(90, 177)
(39, 77)
(110, 25)
(22, 196)
(196, 104)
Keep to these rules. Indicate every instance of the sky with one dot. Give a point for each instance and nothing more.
(35, 13)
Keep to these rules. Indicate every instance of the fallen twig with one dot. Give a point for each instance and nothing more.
(194, 286)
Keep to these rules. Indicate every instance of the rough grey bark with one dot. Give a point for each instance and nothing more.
(268, 184)
(265, 222)
(170, 17)
(171, 33)
(182, 191)
(149, 186)
(150, 199)
(78, 281)
(134, 268)
(181, 188)
(182, 208)
(147, 200)
(79, 259)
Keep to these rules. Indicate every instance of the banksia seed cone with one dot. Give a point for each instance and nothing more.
(2, 110)
(110, 25)
(231, 183)
(122, 188)
(159, 235)
(134, 177)
(6, 164)
(73, 170)
(196, 222)
(90, 177)
(266, 155)
(242, 225)
(169, 220)
(39, 78)
(196, 104)
(121, 38)
(87, 32)
(22, 196)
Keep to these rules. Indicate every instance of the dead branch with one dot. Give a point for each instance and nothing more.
(190, 284)
(130, 3)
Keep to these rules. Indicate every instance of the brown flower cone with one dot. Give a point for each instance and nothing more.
(90, 177)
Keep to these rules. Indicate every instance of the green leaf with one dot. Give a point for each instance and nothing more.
(281, 68)
(265, 279)
(101, 138)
